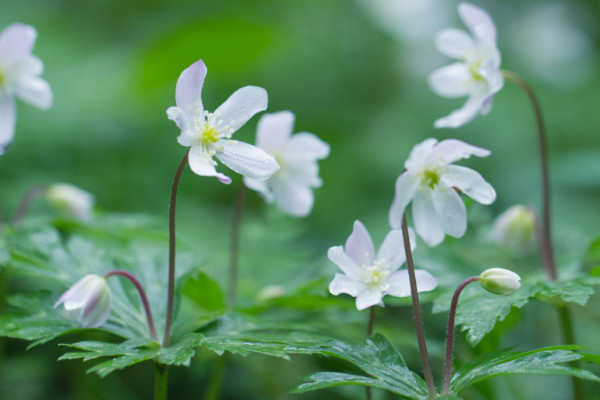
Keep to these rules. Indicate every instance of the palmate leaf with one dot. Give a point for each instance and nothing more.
(544, 361)
(478, 310)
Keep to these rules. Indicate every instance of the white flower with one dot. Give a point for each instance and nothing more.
(297, 155)
(88, 301)
(368, 277)
(515, 229)
(477, 74)
(209, 134)
(19, 76)
(500, 281)
(430, 181)
(70, 201)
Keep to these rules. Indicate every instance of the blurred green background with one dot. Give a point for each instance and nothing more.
(353, 72)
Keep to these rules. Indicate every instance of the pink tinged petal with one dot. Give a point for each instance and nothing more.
(7, 122)
(454, 80)
(16, 40)
(274, 130)
(306, 146)
(425, 219)
(97, 307)
(471, 183)
(368, 299)
(406, 187)
(337, 255)
(479, 22)
(203, 165)
(344, 284)
(261, 187)
(454, 43)
(293, 198)
(486, 106)
(241, 106)
(188, 91)
(359, 245)
(463, 115)
(450, 150)
(418, 155)
(450, 210)
(246, 159)
(392, 249)
(400, 284)
(77, 290)
(34, 91)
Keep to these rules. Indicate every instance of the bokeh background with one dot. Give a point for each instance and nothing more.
(354, 73)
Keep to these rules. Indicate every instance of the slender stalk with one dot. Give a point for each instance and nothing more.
(171, 290)
(450, 332)
(160, 382)
(142, 293)
(417, 312)
(369, 333)
(213, 388)
(236, 221)
(30, 195)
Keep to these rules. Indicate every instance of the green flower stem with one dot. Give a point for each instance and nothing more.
(417, 312)
(171, 290)
(214, 385)
(142, 293)
(236, 221)
(450, 332)
(160, 382)
(32, 193)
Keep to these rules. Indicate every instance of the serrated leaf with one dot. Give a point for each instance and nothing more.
(323, 380)
(544, 361)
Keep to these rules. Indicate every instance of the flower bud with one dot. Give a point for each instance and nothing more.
(88, 301)
(515, 229)
(500, 281)
(70, 201)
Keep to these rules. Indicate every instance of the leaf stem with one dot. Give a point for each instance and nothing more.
(236, 221)
(160, 382)
(450, 332)
(417, 312)
(171, 290)
(30, 195)
(140, 289)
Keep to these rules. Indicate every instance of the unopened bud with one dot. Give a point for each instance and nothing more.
(70, 201)
(515, 229)
(88, 301)
(500, 281)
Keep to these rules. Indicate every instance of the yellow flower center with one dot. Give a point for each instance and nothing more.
(2, 77)
(376, 274)
(209, 135)
(474, 70)
(431, 177)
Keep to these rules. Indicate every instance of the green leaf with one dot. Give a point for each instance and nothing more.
(544, 361)
(204, 292)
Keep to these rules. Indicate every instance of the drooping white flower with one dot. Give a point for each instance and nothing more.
(477, 74)
(70, 201)
(19, 76)
(429, 181)
(88, 301)
(290, 187)
(369, 277)
(500, 281)
(515, 229)
(209, 134)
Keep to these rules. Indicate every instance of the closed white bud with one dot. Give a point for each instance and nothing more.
(88, 301)
(500, 281)
(70, 201)
(515, 229)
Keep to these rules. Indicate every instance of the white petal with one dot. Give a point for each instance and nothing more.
(479, 22)
(188, 91)
(274, 130)
(34, 91)
(368, 299)
(454, 80)
(261, 187)
(400, 283)
(337, 255)
(177, 115)
(392, 249)
(359, 245)
(343, 284)
(27, 66)
(471, 183)
(463, 115)
(450, 150)
(202, 164)
(450, 210)
(292, 197)
(16, 40)
(242, 105)
(306, 146)
(426, 220)
(246, 159)
(418, 155)
(454, 43)
(304, 172)
(7, 122)
(406, 186)
(493, 75)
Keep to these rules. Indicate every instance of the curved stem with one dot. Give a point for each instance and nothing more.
(171, 290)
(32, 193)
(160, 382)
(417, 312)
(546, 236)
(140, 289)
(450, 332)
(235, 245)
